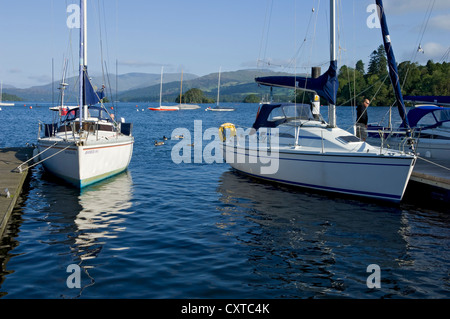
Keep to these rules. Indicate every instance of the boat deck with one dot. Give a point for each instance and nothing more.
(13, 181)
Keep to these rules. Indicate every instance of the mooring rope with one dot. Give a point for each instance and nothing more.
(19, 168)
(431, 162)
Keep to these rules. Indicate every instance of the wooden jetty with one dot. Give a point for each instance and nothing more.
(11, 180)
(430, 182)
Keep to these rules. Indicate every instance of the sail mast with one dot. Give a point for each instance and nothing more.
(160, 87)
(218, 88)
(332, 107)
(83, 53)
(393, 72)
(181, 86)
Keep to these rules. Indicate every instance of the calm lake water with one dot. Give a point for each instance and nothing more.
(199, 230)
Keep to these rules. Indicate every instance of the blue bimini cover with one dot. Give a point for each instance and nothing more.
(416, 114)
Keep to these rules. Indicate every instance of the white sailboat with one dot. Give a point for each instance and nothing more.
(184, 106)
(86, 145)
(1, 92)
(429, 124)
(217, 108)
(289, 145)
(163, 107)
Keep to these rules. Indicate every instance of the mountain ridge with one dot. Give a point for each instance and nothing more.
(145, 87)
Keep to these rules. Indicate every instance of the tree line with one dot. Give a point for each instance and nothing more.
(355, 84)
(10, 97)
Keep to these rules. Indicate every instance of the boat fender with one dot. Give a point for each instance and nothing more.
(225, 126)
(36, 155)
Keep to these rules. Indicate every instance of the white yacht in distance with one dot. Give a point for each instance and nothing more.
(218, 108)
(163, 107)
(289, 144)
(1, 93)
(87, 144)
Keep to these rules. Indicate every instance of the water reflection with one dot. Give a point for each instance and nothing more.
(104, 207)
(86, 220)
(309, 244)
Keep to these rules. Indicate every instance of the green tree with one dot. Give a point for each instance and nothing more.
(378, 62)
(252, 98)
(360, 67)
(194, 96)
(10, 97)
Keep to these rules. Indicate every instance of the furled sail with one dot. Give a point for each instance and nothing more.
(91, 97)
(393, 72)
(325, 85)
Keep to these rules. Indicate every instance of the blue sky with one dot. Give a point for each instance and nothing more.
(199, 36)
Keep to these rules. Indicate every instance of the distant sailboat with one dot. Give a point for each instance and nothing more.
(182, 106)
(217, 108)
(1, 92)
(163, 107)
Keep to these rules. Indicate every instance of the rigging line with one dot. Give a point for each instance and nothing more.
(267, 19)
(445, 56)
(362, 92)
(421, 34)
(379, 88)
(97, 10)
(106, 32)
(304, 39)
(441, 166)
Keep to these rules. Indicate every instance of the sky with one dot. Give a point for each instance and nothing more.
(201, 36)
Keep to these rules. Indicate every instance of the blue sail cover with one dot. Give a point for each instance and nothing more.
(90, 96)
(325, 85)
(393, 72)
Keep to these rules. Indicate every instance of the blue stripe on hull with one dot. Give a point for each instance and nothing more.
(390, 197)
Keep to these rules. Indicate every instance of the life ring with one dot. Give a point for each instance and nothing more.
(225, 126)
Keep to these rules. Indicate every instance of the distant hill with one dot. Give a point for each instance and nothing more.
(234, 87)
(126, 82)
(145, 87)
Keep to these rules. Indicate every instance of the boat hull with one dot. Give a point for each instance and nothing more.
(379, 177)
(219, 110)
(164, 108)
(85, 164)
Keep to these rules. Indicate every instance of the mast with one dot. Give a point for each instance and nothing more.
(181, 86)
(160, 87)
(83, 54)
(218, 87)
(332, 107)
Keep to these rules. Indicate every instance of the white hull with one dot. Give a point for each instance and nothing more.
(362, 173)
(6, 104)
(434, 148)
(219, 110)
(87, 164)
(188, 106)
